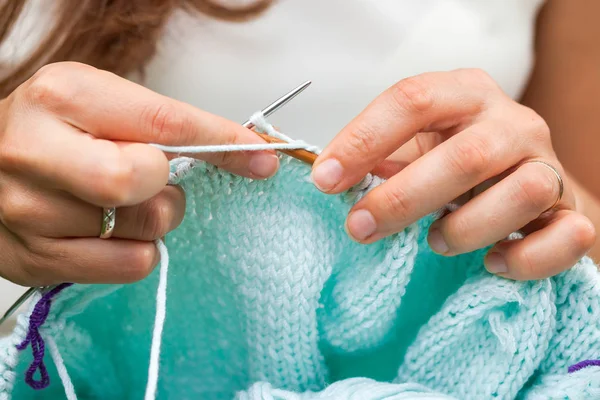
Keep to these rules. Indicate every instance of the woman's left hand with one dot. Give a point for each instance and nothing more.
(444, 136)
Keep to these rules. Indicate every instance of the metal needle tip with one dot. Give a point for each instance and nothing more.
(18, 304)
(280, 102)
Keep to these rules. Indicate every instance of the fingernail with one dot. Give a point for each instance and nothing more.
(495, 263)
(437, 242)
(360, 225)
(263, 165)
(327, 174)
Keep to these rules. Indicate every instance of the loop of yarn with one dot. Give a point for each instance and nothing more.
(584, 364)
(180, 168)
(36, 320)
(262, 125)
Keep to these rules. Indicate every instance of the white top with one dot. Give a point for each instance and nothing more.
(351, 49)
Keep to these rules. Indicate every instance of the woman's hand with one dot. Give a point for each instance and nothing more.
(444, 136)
(73, 139)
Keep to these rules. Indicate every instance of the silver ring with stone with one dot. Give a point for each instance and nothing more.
(108, 222)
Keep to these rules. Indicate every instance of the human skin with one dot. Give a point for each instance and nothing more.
(449, 133)
(74, 139)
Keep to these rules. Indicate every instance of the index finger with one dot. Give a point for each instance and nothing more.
(428, 102)
(113, 108)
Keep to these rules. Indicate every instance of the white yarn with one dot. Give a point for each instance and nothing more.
(61, 368)
(263, 126)
(258, 119)
(220, 148)
(180, 168)
(159, 322)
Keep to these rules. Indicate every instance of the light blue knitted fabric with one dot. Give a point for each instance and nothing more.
(269, 299)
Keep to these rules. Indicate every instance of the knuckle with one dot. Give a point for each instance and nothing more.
(397, 202)
(165, 123)
(527, 264)
(362, 142)
(48, 69)
(15, 211)
(156, 218)
(12, 156)
(114, 182)
(64, 68)
(584, 233)
(412, 95)
(226, 159)
(53, 86)
(465, 233)
(42, 252)
(36, 264)
(141, 263)
(453, 231)
(458, 232)
(538, 126)
(470, 158)
(536, 192)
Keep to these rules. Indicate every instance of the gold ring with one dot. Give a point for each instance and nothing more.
(561, 183)
(108, 222)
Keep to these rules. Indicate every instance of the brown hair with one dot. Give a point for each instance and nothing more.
(115, 35)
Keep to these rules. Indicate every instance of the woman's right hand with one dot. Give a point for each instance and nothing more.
(74, 139)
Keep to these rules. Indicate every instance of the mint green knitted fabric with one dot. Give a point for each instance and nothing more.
(269, 299)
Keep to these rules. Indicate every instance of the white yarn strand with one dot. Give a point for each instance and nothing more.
(187, 164)
(61, 368)
(263, 126)
(221, 148)
(159, 322)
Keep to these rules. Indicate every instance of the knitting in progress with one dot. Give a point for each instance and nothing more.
(262, 295)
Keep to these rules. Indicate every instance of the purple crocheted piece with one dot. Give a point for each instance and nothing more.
(36, 320)
(584, 364)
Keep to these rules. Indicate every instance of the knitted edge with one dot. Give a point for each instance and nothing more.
(9, 354)
(70, 302)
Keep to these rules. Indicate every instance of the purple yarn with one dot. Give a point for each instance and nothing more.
(584, 364)
(36, 320)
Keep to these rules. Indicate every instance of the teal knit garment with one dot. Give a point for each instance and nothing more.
(268, 298)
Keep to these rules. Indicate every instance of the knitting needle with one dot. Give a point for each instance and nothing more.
(24, 297)
(18, 304)
(280, 102)
(300, 154)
